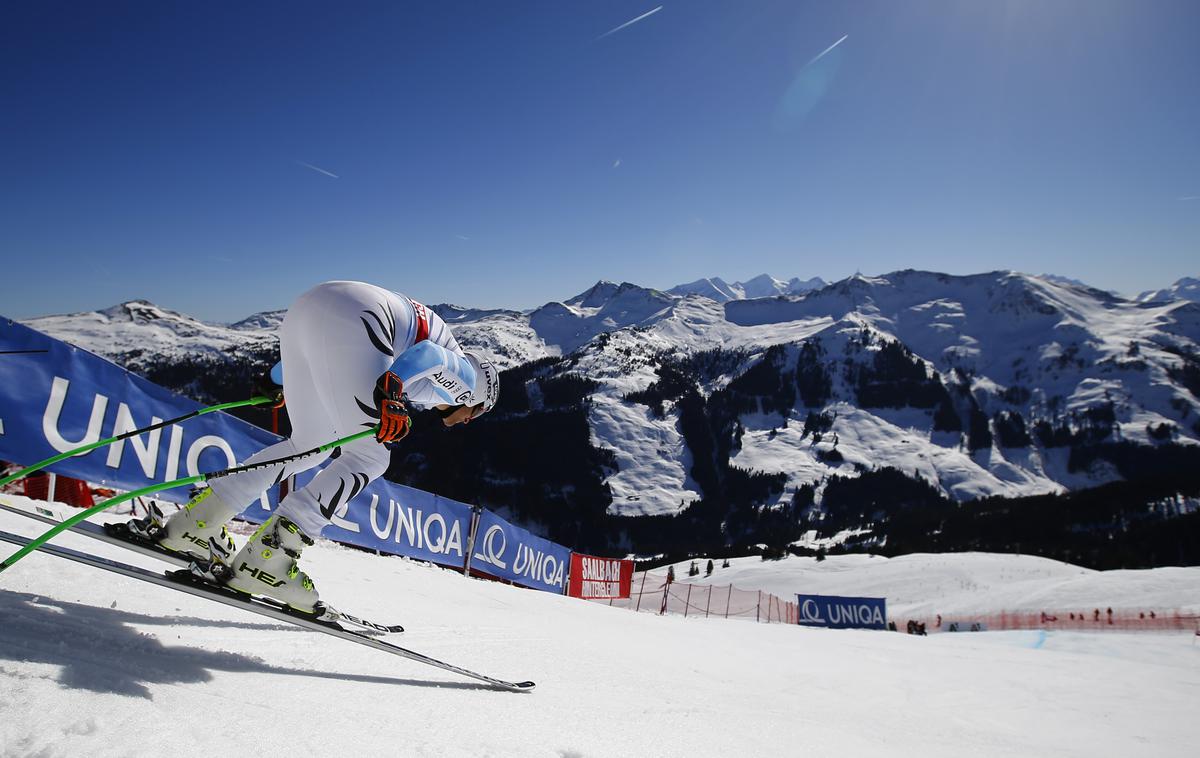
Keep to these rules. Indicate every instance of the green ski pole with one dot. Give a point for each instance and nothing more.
(35, 544)
(133, 433)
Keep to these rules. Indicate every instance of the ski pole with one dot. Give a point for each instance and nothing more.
(133, 433)
(35, 544)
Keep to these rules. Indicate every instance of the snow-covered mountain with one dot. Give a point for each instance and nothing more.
(1186, 288)
(129, 331)
(199, 359)
(964, 387)
(763, 285)
(1009, 351)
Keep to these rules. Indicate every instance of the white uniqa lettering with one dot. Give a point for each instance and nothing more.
(435, 546)
(521, 564)
(58, 396)
(173, 449)
(454, 544)
(855, 614)
(202, 444)
(537, 565)
(387, 529)
(405, 525)
(147, 452)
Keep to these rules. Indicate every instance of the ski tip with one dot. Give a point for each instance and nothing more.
(524, 686)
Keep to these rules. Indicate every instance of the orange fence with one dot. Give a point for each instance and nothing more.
(1094, 620)
(652, 593)
(63, 489)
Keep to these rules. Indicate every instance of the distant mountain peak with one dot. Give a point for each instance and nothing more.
(597, 295)
(763, 285)
(1186, 288)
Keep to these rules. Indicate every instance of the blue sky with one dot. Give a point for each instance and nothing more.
(504, 154)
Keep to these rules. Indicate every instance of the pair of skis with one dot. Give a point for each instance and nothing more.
(330, 621)
(118, 534)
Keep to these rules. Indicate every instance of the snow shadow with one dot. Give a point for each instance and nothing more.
(100, 651)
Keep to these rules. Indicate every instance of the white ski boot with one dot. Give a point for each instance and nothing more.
(268, 565)
(189, 530)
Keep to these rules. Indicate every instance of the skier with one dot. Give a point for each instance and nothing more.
(353, 355)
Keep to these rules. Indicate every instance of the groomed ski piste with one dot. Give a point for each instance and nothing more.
(100, 665)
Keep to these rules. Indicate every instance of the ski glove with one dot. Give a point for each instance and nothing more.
(394, 421)
(264, 386)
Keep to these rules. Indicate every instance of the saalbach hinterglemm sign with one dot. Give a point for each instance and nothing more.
(842, 612)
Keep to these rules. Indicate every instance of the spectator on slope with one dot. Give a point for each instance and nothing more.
(353, 355)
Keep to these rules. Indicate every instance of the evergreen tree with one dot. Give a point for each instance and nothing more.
(709, 568)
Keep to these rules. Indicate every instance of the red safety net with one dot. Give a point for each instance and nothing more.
(66, 490)
(651, 593)
(1090, 620)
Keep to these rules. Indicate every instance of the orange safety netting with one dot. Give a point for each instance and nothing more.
(651, 593)
(1091, 620)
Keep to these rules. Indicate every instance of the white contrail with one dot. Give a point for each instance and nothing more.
(630, 23)
(1191, 197)
(826, 51)
(318, 168)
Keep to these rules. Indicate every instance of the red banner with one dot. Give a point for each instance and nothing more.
(594, 578)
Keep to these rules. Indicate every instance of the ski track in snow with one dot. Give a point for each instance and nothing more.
(97, 665)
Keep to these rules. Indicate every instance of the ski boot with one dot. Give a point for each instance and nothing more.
(188, 531)
(268, 565)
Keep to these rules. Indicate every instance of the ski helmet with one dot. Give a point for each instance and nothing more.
(487, 382)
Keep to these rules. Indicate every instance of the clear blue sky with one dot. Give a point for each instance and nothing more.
(504, 154)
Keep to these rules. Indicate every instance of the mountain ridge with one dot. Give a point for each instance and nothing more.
(769, 411)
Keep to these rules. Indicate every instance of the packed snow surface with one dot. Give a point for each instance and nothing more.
(100, 665)
(961, 583)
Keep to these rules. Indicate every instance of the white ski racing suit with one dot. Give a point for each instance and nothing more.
(335, 341)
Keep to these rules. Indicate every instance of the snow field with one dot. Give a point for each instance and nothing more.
(924, 584)
(99, 665)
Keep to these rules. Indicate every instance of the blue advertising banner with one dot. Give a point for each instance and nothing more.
(55, 397)
(842, 612)
(509, 552)
(396, 519)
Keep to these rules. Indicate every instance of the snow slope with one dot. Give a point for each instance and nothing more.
(98, 665)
